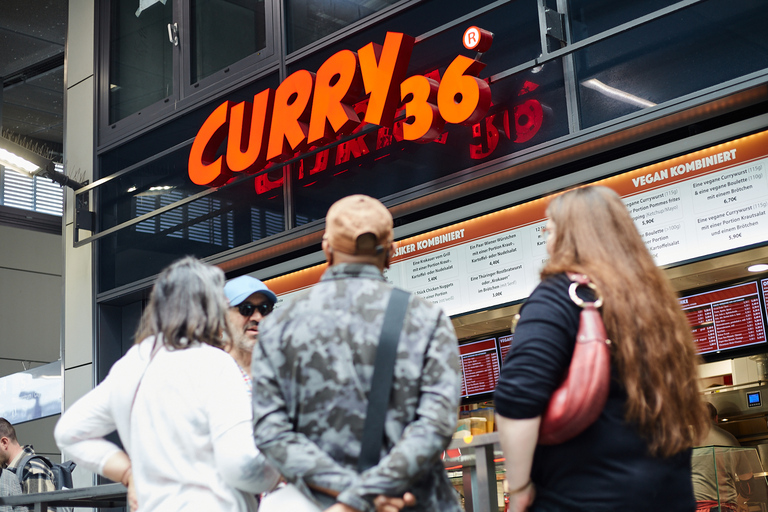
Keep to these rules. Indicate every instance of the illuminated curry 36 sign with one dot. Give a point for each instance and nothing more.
(309, 109)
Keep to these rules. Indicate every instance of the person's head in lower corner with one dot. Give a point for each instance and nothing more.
(9, 445)
(187, 304)
(249, 302)
(712, 412)
(358, 229)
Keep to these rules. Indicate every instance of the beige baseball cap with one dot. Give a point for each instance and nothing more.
(352, 217)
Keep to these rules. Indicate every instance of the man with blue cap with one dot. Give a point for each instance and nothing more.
(249, 302)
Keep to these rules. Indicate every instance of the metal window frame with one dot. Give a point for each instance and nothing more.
(289, 210)
(106, 131)
(742, 87)
(213, 82)
(571, 95)
(186, 95)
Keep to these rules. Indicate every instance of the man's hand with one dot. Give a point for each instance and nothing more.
(383, 504)
(388, 504)
(340, 507)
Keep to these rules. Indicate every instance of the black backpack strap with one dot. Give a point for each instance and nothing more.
(25, 461)
(383, 374)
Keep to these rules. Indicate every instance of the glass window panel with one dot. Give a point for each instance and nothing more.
(18, 190)
(224, 32)
(175, 132)
(140, 57)
(207, 226)
(673, 56)
(414, 22)
(590, 17)
(310, 20)
(528, 109)
(37, 194)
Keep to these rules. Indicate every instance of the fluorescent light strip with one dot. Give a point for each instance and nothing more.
(15, 162)
(616, 94)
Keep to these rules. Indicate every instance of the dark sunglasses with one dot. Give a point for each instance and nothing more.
(246, 308)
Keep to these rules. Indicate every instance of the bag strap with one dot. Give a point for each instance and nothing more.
(381, 386)
(23, 463)
(584, 280)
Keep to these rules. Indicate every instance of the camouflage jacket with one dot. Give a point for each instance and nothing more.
(312, 370)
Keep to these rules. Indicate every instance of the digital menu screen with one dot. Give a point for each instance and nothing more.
(505, 342)
(725, 319)
(764, 286)
(479, 367)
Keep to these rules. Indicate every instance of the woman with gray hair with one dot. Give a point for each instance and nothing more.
(177, 401)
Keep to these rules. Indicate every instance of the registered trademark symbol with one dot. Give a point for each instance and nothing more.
(471, 38)
(477, 39)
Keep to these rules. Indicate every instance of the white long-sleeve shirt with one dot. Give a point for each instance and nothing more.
(189, 435)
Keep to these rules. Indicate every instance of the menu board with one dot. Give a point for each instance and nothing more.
(764, 286)
(687, 207)
(479, 367)
(505, 343)
(725, 319)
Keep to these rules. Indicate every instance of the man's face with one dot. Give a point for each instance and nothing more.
(5, 457)
(245, 318)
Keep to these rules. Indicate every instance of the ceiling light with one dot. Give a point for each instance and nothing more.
(157, 190)
(20, 159)
(27, 162)
(617, 94)
(760, 267)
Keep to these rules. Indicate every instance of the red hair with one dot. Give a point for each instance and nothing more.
(652, 345)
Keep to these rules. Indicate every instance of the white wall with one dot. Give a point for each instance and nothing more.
(77, 345)
(30, 316)
(30, 298)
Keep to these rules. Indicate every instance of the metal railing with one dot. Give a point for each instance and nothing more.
(478, 469)
(99, 496)
(476, 461)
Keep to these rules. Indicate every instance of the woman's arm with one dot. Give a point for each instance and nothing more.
(118, 469)
(518, 442)
(534, 367)
(228, 406)
(80, 431)
(240, 463)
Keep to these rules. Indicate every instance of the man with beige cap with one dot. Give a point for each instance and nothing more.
(313, 374)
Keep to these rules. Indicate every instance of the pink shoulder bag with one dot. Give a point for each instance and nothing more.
(580, 399)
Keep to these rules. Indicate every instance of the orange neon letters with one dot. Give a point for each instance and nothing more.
(463, 98)
(204, 168)
(337, 86)
(422, 118)
(383, 70)
(290, 115)
(249, 133)
(311, 110)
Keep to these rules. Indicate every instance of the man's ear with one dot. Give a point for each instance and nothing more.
(389, 255)
(328, 251)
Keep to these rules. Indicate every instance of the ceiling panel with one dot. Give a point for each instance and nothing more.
(29, 122)
(19, 51)
(32, 39)
(44, 19)
(36, 99)
(52, 80)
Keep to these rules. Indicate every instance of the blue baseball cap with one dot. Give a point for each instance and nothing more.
(240, 288)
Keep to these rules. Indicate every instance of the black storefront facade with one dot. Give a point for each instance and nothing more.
(581, 90)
